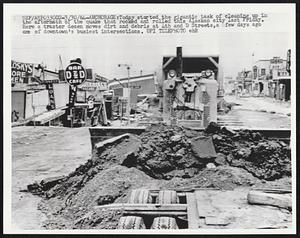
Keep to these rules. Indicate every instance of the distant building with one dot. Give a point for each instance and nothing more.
(271, 78)
(229, 85)
(144, 84)
(244, 82)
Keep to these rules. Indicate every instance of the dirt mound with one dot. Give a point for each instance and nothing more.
(178, 157)
(265, 159)
(108, 186)
(222, 177)
(166, 152)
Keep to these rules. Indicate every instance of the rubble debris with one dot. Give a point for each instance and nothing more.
(225, 107)
(210, 166)
(104, 219)
(265, 159)
(163, 156)
(35, 188)
(203, 147)
(46, 184)
(221, 177)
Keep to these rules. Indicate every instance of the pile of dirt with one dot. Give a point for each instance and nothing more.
(264, 158)
(162, 157)
(222, 177)
(76, 205)
(167, 151)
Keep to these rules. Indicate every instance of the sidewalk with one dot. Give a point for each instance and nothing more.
(263, 104)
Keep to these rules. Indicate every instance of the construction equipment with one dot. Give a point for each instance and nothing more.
(191, 98)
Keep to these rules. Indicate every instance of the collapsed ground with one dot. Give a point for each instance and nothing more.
(163, 157)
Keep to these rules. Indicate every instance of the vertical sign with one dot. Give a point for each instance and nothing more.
(72, 95)
(75, 75)
(49, 87)
(288, 62)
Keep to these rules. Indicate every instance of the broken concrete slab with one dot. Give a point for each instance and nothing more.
(175, 138)
(210, 166)
(203, 147)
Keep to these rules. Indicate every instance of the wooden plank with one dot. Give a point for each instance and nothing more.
(204, 205)
(111, 140)
(271, 199)
(182, 190)
(273, 190)
(192, 213)
(148, 209)
(145, 207)
(155, 213)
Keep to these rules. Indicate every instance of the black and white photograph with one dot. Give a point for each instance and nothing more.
(149, 118)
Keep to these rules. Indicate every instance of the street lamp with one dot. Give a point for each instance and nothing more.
(128, 89)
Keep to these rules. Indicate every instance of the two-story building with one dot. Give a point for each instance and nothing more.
(271, 78)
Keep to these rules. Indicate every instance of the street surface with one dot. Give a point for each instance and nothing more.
(39, 153)
(263, 104)
(255, 112)
(43, 152)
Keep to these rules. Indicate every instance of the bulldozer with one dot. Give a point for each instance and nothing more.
(190, 99)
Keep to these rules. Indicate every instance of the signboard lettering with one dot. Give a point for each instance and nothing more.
(20, 71)
(72, 95)
(49, 87)
(91, 86)
(75, 74)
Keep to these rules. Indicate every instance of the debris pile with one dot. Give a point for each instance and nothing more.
(265, 159)
(162, 157)
(166, 152)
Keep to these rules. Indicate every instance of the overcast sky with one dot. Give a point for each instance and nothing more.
(104, 53)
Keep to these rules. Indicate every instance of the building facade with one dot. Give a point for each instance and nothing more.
(271, 78)
(244, 82)
(144, 84)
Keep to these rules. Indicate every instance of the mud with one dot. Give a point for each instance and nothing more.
(265, 159)
(162, 157)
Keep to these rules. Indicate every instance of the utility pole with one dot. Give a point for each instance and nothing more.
(128, 90)
(60, 63)
(33, 109)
